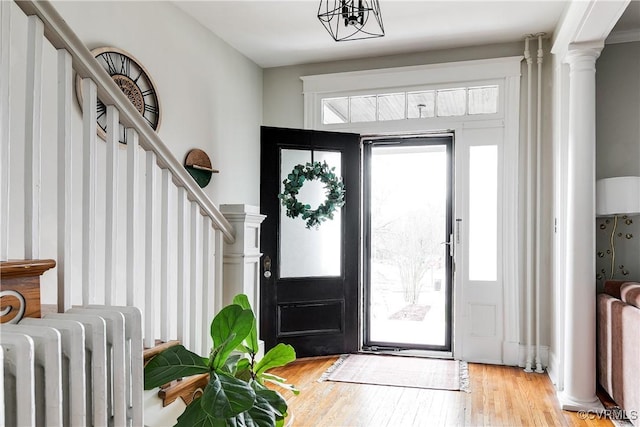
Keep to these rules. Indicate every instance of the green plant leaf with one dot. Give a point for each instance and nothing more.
(229, 328)
(273, 377)
(231, 364)
(292, 388)
(275, 400)
(226, 396)
(279, 381)
(278, 356)
(244, 375)
(259, 415)
(222, 324)
(267, 411)
(173, 363)
(252, 339)
(194, 416)
(243, 363)
(216, 350)
(243, 348)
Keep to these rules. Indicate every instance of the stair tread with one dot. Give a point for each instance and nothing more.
(187, 388)
(157, 349)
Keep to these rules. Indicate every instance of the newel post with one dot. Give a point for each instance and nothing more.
(241, 270)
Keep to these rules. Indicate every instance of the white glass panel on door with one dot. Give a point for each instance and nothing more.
(408, 265)
(483, 212)
(314, 252)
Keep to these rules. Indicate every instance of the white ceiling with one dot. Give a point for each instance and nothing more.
(275, 32)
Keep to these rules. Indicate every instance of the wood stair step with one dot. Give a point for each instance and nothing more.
(188, 389)
(20, 286)
(157, 349)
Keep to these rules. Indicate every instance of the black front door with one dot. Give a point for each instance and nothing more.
(309, 287)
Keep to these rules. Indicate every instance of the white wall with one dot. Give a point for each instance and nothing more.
(210, 95)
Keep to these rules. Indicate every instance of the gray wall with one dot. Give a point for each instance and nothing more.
(618, 146)
(618, 111)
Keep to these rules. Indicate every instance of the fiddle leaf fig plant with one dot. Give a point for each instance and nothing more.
(236, 394)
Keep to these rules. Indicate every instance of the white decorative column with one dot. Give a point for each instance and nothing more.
(241, 272)
(580, 299)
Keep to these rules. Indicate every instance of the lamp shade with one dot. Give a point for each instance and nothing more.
(619, 195)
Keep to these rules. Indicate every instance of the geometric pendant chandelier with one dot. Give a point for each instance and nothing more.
(351, 19)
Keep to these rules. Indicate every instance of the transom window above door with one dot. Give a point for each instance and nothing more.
(421, 104)
(419, 98)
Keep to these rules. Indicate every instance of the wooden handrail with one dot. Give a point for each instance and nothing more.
(20, 283)
(25, 268)
(61, 36)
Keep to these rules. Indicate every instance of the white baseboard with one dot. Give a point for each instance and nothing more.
(554, 370)
(511, 353)
(515, 354)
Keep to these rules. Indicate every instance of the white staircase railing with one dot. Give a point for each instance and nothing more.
(169, 230)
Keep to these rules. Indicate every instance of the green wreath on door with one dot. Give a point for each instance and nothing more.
(309, 172)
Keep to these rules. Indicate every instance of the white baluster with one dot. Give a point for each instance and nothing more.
(33, 135)
(65, 179)
(150, 244)
(89, 118)
(195, 292)
(2, 409)
(217, 271)
(5, 120)
(208, 285)
(133, 211)
(183, 261)
(111, 204)
(164, 256)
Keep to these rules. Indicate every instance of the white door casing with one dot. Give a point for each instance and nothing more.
(486, 312)
(479, 283)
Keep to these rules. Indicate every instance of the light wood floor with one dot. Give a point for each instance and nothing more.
(500, 396)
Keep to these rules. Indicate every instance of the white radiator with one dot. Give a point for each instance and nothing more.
(80, 368)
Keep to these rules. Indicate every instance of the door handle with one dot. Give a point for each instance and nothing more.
(267, 267)
(450, 244)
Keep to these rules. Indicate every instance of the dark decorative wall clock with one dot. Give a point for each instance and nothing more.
(134, 81)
